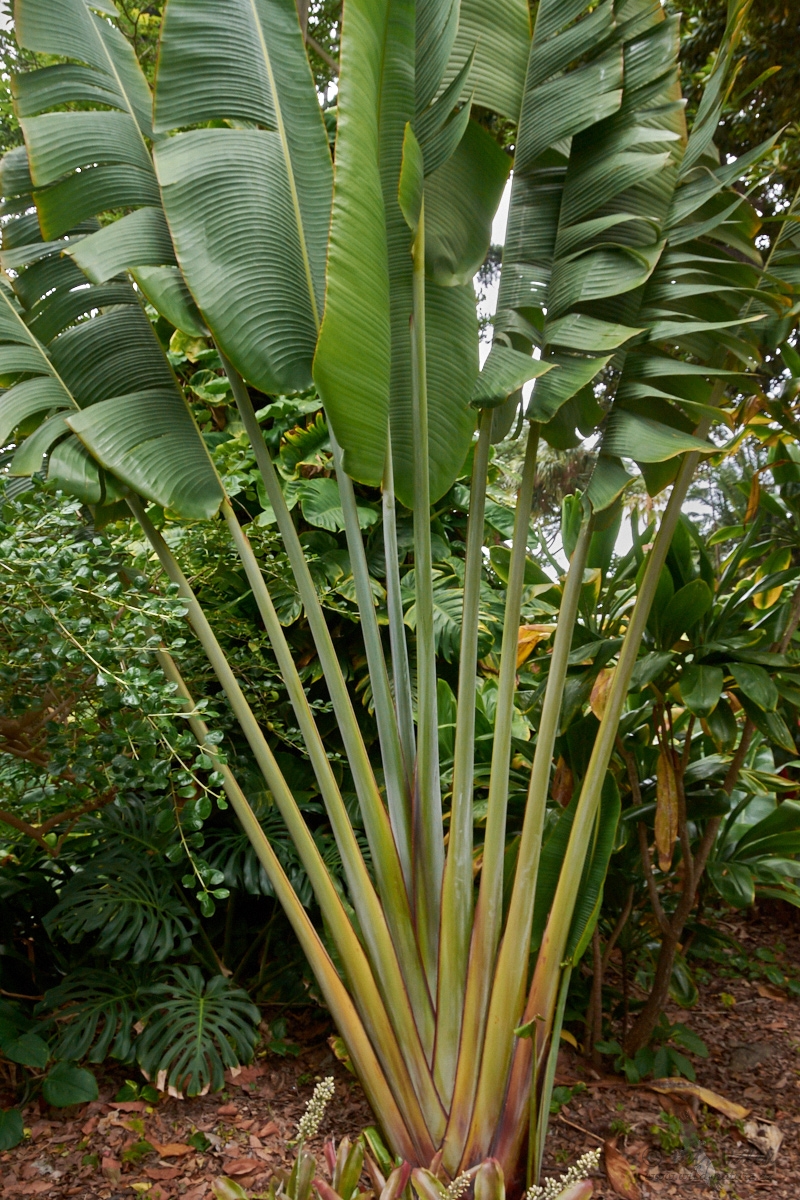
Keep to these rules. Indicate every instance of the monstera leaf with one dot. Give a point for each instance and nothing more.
(133, 911)
(195, 1031)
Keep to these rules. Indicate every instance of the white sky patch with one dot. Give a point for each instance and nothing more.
(488, 305)
(501, 217)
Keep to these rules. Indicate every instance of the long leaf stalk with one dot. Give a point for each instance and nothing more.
(397, 797)
(375, 926)
(362, 983)
(544, 987)
(489, 910)
(334, 991)
(427, 798)
(389, 839)
(401, 671)
(541, 1096)
(511, 972)
(457, 889)
(372, 806)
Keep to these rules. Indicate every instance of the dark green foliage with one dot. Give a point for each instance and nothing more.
(195, 1030)
(97, 1010)
(11, 1128)
(136, 913)
(761, 105)
(67, 1084)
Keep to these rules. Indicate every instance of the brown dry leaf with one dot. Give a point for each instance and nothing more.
(243, 1166)
(753, 500)
(666, 808)
(246, 1075)
(528, 639)
(111, 1168)
(729, 1108)
(563, 784)
(160, 1174)
(268, 1130)
(599, 696)
(620, 1172)
(770, 992)
(752, 407)
(171, 1149)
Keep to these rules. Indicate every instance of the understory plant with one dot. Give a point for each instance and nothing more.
(629, 283)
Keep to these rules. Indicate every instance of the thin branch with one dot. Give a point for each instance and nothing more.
(23, 827)
(622, 921)
(644, 848)
(323, 54)
(38, 832)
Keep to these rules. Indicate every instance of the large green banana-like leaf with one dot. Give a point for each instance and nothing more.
(461, 198)
(437, 24)
(587, 213)
(499, 35)
(85, 163)
(72, 29)
(249, 207)
(369, 291)
(699, 302)
(105, 378)
(352, 366)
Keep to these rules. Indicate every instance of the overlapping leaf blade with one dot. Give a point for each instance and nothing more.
(248, 207)
(81, 366)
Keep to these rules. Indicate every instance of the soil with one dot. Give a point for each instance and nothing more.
(109, 1150)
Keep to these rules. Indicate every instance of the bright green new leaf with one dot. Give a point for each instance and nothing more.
(412, 179)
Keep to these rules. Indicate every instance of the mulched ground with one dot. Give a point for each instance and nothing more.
(112, 1151)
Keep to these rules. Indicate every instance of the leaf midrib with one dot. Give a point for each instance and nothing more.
(281, 130)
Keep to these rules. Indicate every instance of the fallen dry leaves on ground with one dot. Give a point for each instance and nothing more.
(114, 1151)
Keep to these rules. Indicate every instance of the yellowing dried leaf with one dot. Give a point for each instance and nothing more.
(751, 409)
(528, 639)
(678, 1086)
(753, 499)
(779, 560)
(563, 784)
(620, 1173)
(599, 696)
(666, 808)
